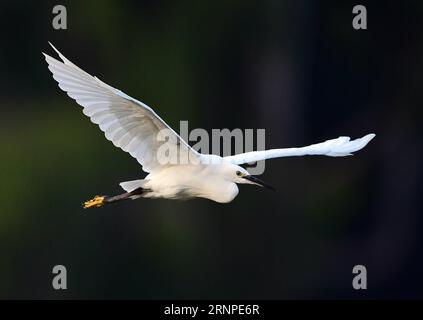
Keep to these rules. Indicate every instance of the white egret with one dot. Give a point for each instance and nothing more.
(134, 127)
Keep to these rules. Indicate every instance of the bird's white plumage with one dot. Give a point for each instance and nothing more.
(134, 127)
(132, 185)
(339, 147)
(128, 123)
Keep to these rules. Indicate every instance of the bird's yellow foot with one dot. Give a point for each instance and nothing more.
(96, 202)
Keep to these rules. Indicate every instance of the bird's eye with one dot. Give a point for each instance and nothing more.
(238, 173)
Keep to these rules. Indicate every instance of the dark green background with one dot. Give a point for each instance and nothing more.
(297, 69)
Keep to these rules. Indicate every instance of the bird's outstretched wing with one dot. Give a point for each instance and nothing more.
(339, 147)
(128, 123)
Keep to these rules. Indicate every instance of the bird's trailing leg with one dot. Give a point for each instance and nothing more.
(99, 201)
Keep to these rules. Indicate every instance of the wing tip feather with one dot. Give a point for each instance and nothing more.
(54, 48)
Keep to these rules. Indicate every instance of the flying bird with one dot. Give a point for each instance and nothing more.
(134, 127)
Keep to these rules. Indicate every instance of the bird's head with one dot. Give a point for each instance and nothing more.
(238, 174)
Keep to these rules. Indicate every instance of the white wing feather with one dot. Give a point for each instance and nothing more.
(130, 124)
(339, 147)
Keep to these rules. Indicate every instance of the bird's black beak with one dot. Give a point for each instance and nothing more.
(259, 182)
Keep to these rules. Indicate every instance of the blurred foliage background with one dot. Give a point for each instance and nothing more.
(297, 69)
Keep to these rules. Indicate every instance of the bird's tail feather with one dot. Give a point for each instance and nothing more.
(129, 186)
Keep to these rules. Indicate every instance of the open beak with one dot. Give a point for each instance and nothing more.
(259, 182)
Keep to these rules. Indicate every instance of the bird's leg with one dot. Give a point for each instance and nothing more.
(99, 201)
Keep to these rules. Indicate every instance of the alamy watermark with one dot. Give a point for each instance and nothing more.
(222, 142)
(59, 281)
(60, 20)
(360, 280)
(360, 20)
